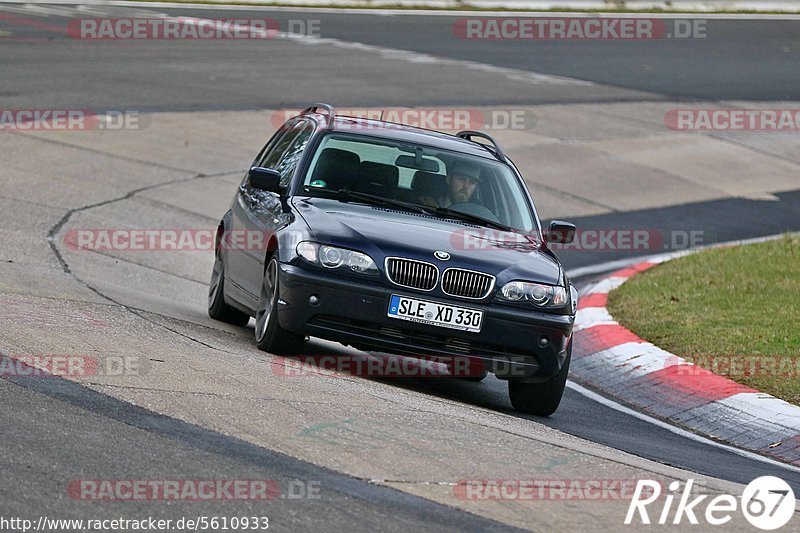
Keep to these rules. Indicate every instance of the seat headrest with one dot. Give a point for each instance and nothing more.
(337, 168)
(428, 184)
(379, 173)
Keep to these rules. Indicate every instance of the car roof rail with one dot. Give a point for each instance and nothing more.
(469, 134)
(327, 107)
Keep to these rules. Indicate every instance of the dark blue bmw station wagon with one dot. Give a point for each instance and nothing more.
(400, 240)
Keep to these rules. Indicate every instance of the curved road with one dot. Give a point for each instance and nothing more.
(411, 60)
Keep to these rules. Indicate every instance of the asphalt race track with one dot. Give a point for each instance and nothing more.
(384, 452)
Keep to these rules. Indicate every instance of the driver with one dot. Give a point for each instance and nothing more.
(462, 179)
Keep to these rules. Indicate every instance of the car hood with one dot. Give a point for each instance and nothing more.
(384, 232)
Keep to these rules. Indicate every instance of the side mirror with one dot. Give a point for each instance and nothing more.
(264, 179)
(560, 232)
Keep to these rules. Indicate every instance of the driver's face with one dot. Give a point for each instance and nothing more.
(461, 188)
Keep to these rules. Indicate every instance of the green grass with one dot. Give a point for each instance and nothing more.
(735, 311)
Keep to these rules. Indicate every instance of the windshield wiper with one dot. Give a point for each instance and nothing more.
(467, 217)
(345, 195)
(380, 200)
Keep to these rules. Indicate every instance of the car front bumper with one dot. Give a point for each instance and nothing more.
(511, 343)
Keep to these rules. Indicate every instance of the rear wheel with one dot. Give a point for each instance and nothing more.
(217, 308)
(270, 336)
(540, 398)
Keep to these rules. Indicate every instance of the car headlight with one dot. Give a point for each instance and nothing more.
(538, 294)
(333, 257)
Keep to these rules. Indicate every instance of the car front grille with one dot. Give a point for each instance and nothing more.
(467, 283)
(411, 273)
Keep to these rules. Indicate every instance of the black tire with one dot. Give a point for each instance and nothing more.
(540, 399)
(217, 308)
(270, 336)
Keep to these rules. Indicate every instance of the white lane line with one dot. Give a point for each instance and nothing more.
(46, 11)
(511, 74)
(77, 11)
(676, 430)
(92, 12)
(14, 9)
(525, 76)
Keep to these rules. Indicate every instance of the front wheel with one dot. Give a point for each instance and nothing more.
(540, 398)
(270, 336)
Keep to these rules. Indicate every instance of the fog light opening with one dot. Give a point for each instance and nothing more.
(543, 342)
(313, 300)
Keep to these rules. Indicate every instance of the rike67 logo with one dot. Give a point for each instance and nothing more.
(767, 503)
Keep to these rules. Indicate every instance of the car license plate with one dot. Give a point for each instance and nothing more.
(435, 314)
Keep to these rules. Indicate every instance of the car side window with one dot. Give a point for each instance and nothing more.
(273, 155)
(271, 145)
(294, 152)
(273, 149)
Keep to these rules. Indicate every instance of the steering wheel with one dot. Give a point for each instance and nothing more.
(475, 209)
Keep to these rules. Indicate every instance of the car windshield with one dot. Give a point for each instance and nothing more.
(416, 177)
